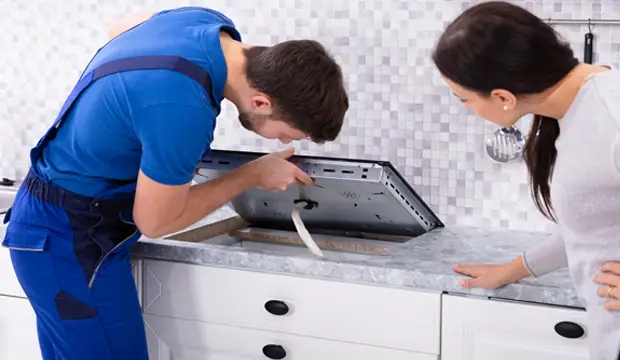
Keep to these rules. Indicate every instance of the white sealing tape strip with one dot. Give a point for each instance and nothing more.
(303, 232)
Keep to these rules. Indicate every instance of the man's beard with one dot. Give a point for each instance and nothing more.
(251, 121)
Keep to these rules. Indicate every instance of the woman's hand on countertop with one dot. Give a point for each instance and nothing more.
(609, 277)
(492, 276)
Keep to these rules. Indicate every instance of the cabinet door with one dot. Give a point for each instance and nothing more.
(8, 280)
(181, 339)
(136, 270)
(480, 329)
(18, 330)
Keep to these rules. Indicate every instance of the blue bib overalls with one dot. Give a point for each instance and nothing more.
(71, 253)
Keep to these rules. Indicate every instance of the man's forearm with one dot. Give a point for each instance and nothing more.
(207, 197)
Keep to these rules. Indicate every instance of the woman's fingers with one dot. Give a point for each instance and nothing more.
(613, 305)
(610, 277)
(611, 267)
(607, 279)
(469, 270)
(608, 292)
(482, 276)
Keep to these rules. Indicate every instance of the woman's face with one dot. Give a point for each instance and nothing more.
(498, 107)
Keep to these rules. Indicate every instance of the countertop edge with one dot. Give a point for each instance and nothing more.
(222, 256)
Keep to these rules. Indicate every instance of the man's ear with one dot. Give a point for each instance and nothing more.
(261, 104)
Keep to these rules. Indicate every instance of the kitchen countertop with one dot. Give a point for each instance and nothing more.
(423, 263)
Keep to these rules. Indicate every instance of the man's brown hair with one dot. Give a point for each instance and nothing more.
(304, 83)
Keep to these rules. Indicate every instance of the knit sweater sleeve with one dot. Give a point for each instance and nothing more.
(617, 154)
(547, 256)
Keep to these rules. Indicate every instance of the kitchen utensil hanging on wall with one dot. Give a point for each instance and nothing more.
(505, 145)
(588, 49)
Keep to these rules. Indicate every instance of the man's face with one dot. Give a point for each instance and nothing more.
(268, 127)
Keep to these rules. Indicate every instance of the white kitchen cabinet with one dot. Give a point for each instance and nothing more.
(136, 270)
(481, 329)
(363, 314)
(8, 280)
(18, 330)
(181, 339)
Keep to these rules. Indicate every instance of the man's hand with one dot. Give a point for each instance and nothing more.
(274, 172)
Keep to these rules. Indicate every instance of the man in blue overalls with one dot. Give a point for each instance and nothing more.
(119, 159)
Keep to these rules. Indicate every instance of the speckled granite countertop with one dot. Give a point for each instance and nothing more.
(424, 262)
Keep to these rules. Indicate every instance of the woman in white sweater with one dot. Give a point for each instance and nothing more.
(503, 63)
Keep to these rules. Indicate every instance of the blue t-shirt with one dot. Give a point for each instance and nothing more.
(158, 121)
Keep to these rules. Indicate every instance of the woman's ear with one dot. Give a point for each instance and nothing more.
(504, 98)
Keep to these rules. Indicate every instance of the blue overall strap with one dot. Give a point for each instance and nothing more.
(149, 62)
(169, 62)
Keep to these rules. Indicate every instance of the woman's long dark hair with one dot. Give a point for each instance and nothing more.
(497, 45)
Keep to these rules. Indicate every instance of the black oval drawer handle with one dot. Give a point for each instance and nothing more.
(275, 352)
(569, 330)
(276, 307)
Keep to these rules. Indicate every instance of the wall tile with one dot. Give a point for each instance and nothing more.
(400, 109)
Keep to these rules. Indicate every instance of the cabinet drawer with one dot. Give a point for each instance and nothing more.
(480, 329)
(373, 315)
(192, 340)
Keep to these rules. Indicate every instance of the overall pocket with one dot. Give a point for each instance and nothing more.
(30, 256)
(25, 238)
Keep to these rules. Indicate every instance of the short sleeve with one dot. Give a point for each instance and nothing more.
(173, 138)
(201, 11)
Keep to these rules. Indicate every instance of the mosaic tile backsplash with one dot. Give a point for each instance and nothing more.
(400, 109)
